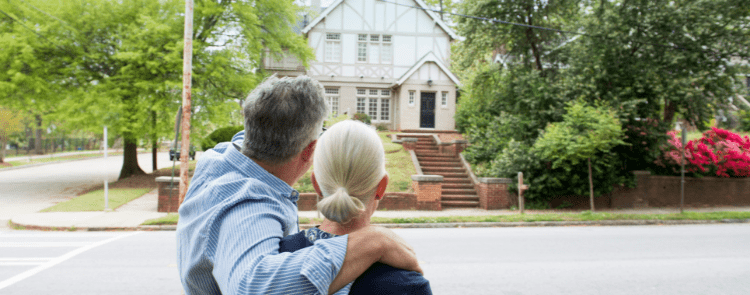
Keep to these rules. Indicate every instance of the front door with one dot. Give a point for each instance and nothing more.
(427, 114)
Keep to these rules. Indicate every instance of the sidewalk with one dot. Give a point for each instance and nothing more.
(131, 215)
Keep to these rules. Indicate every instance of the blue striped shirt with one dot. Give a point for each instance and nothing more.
(231, 221)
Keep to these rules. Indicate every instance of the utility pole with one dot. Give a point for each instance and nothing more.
(187, 67)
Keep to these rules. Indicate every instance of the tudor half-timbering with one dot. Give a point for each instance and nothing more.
(385, 60)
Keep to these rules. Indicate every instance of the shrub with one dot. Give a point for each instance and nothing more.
(362, 118)
(381, 128)
(220, 135)
(718, 152)
(333, 120)
(744, 116)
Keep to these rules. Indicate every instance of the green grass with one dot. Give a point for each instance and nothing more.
(583, 216)
(170, 219)
(397, 163)
(94, 201)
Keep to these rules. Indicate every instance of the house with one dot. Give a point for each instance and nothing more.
(388, 59)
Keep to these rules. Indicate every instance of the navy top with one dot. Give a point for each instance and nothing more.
(379, 279)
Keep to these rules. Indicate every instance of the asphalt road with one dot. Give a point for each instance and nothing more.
(28, 190)
(689, 259)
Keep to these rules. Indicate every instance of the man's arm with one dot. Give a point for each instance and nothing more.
(370, 245)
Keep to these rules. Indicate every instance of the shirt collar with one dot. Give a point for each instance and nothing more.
(249, 168)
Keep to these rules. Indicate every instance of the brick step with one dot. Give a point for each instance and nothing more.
(452, 174)
(422, 151)
(464, 192)
(437, 156)
(459, 204)
(456, 180)
(440, 164)
(460, 198)
(443, 169)
(457, 186)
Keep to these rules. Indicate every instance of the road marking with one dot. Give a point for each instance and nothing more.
(42, 244)
(20, 263)
(19, 277)
(57, 235)
(27, 259)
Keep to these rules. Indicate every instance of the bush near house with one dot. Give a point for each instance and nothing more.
(220, 135)
(719, 153)
(364, 118)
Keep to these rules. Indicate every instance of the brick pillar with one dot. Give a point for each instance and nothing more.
(409, 143)
(167, 202)
(428, 189)
(493, 193)
(459, 146)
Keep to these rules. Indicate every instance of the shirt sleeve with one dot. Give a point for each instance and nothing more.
(247, 260)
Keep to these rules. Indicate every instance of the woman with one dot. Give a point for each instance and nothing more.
(349, 173)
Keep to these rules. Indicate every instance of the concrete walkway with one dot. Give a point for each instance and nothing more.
(131, 215)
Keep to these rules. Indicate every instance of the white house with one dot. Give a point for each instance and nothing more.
(385, 59)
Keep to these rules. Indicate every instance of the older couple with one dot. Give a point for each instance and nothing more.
(238, 231)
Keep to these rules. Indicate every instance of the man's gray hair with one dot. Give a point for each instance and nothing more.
(282, 116)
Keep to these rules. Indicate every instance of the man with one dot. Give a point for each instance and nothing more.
(241, 203)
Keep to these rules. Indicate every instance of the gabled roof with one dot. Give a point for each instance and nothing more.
(429, 57)
(421, 4)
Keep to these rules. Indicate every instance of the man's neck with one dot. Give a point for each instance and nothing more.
(286, 171)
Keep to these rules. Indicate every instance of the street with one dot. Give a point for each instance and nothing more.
(28, 190)
(690, 259)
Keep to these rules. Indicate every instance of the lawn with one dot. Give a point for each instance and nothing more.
(55, 159)
(583, 216)
(397, 163)
(94, 200)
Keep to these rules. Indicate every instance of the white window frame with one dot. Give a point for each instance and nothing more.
(332, 99)
(444, 99)
(386, 49)
(333, 47)
(362, 48)
(372, 102)
(412, 94)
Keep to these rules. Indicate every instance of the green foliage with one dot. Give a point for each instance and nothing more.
(744, 120)
(364, 118)
(333, 120)
(381, 127)
(584, 132)
(220, 135)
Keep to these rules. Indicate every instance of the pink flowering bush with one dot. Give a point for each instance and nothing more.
(718, 152)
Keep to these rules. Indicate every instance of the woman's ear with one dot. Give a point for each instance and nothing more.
(315, 184)
(381, 188)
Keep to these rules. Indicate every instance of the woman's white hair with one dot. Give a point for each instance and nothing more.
(349, 163)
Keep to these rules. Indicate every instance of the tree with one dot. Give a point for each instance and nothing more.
(10, 122)
(584, 133)
(119, 62)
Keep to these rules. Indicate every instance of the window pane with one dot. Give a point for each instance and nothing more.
(373, 92)
(360, 105)
(445, 98)
(373, 108)
(374, 38)
(384, 109)
(411, 97)
(386, 38)
(361, 91)
(333, 105)
(362, 52)
(362, 37)
(385, 92)
(333, 36)
(332, 91)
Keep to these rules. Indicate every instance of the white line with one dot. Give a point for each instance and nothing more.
(58, 235)
(20, 263)
(17, 278)
(26, 259)
(43, 244)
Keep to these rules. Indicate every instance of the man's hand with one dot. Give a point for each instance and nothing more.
(396, 251)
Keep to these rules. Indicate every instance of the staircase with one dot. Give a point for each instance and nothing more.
(457, 190)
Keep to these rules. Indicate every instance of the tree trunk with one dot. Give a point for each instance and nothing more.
(591, 187)
(38, 140)
(2, 151)
(130, 157)
(153, 141)
(669, 110)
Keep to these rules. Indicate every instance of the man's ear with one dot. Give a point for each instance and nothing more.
(315, 184)
(307, 153)
(381, 188)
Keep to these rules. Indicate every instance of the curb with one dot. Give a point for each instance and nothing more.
(426, 225)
